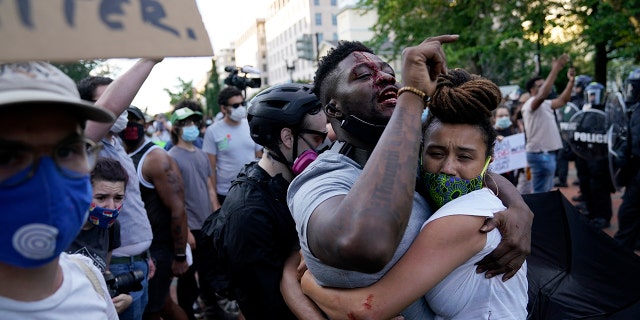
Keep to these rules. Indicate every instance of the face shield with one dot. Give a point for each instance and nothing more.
(632, 91)
(594, 95)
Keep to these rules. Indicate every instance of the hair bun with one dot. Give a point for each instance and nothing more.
(461, 97)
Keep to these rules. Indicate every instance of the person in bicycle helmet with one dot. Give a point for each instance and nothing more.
(255, 232)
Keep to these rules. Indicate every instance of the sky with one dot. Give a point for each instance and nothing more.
(224, 21)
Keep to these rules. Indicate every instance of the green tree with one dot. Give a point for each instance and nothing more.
(80, 69)
(488, 43)
(508, 41)
(184, 91)
(211, 91)
(607, 31)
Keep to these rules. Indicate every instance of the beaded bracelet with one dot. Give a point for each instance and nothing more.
(416, 91)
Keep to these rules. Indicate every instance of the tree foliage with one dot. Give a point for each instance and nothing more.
(80, 69)
(211, 91)
(509, 41)
(184, 91)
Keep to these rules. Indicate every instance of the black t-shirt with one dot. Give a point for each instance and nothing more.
(95, 243)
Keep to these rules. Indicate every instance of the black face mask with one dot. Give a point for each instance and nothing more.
(133, 134)
(361, 129)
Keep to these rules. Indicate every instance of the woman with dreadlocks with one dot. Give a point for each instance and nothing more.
(440, 264)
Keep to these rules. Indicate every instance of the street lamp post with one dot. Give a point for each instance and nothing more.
(290, 69)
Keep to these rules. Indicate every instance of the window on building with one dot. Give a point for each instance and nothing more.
(334, 19)
(320, 37)
(334, 3)
(318, 19)
(335, 36)
(317, 2)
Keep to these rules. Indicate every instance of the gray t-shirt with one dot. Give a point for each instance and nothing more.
(330, 175)
(196, 170)
(233, 148)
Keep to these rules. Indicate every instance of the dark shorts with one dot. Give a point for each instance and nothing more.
(160, 283)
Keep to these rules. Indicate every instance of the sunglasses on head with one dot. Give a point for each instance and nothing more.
(236, 105)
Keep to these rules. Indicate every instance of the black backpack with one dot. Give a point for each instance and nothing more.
(216, 274)
(212, 240)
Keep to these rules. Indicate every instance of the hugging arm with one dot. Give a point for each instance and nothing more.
(441, 246)
(301, 306)
(515, 226)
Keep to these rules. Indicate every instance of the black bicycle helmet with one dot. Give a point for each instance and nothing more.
(280, 106)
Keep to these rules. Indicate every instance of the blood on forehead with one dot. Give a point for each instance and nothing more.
(363, 58)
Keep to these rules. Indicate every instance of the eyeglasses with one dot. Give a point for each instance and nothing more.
(321, 134)
(74, 157)
(236, 105)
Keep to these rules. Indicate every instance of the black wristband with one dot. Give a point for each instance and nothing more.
(181, 257)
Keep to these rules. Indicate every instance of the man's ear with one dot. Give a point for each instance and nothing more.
(286, 136)
(331, 110)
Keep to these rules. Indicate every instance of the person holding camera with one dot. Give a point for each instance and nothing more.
(136, 234)
(228, 143)
(45, 190)
(100, 234)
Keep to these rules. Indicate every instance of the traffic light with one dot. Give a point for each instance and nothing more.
(304, 46)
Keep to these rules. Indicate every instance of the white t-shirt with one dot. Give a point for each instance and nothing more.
(463, 294)
(75, 299)
(540, 127)
(233, 148)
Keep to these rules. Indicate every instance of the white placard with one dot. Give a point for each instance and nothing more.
(509, 154)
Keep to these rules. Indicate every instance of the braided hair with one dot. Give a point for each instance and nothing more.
(463, 98)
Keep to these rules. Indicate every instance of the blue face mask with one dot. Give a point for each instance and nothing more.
(503, 122)
(190, 133)
(41, 216)
(103, 217)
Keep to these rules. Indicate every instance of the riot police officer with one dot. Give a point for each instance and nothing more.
(565, 154)
(593, 170)
(577, 94)
(629, 212)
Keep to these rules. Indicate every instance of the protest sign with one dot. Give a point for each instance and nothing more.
(509, 154)
(69, 30)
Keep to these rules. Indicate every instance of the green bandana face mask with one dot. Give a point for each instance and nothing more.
(443, 188)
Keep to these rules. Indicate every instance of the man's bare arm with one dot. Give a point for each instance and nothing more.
(119, 95)
(213, 160)
(545, 89)
(514, 225)
(301, 306)
(162, 171)
(565, 96)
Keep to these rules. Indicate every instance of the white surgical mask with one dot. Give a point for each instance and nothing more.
(151, 130)
(120, 123)
(238, 114)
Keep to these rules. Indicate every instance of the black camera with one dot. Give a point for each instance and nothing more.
(242, 82)
(124, 283)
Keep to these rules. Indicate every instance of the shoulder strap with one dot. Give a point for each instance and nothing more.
(95, 282)
(360, 156)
